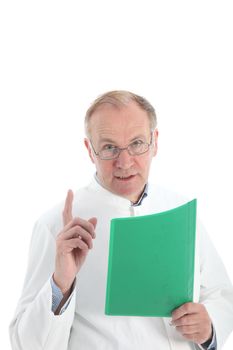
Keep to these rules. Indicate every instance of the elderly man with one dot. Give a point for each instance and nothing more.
(62, 303)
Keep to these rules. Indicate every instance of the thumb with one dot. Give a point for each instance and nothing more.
(93, 221)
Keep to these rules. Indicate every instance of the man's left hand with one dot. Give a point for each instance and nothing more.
(193, 322)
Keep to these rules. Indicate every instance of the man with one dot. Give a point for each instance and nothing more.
(62, 303)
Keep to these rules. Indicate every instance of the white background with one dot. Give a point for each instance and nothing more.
(57, 56)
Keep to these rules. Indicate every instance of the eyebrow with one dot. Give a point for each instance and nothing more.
(106, 139)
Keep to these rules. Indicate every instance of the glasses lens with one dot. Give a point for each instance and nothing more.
(138, 148)
(135, 148)
(109, 153)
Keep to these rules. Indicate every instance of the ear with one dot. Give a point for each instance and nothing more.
(155, 142)
(88, 147)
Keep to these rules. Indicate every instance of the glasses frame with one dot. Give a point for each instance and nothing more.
(123, 149)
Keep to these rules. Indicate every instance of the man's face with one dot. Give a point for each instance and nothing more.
(127, 175)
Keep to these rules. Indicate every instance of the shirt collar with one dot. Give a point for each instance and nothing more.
(141, 198)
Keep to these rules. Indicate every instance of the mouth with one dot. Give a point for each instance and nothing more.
(125, 178)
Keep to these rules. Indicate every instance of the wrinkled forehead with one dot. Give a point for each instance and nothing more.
(118, 119)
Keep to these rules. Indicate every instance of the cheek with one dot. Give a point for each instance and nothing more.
(144, 164)
(105, 170)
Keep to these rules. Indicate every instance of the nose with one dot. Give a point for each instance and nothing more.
(124, 160)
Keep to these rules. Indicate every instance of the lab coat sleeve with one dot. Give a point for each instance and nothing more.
(34, 325)
(216, 291)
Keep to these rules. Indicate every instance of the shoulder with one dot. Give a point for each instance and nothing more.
(165, 198)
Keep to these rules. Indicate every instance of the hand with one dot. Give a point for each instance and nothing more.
(193, 322)
(72, 246)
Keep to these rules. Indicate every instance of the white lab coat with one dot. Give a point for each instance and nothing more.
(83, 324)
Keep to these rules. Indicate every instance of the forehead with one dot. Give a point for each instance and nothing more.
(115, 122)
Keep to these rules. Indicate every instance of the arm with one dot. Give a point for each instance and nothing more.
(216, 289)
(35, 326)
(215, 308)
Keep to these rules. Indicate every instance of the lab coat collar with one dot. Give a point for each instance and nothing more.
(112, 197)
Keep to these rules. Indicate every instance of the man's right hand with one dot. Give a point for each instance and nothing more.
(72, 246)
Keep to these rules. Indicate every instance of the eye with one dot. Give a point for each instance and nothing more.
(137, 143)
(108, 147)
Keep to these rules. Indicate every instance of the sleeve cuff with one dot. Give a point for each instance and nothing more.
(211, 344)
(57, 296)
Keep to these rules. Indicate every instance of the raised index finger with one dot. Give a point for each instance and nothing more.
(67, 212)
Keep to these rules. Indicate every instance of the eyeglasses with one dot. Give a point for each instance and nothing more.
(135, 148)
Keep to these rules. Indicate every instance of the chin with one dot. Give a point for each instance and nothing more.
(128, 192)
(128, 189)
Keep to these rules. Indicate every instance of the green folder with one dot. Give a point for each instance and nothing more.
(151, 262)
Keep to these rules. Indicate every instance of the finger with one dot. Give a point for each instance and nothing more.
(86, 225)
(187, 320)
(67, 212)
(93, 221)
(187, 329)
(187, 308)
(77, 232)
(194, 337)
(74, 243)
